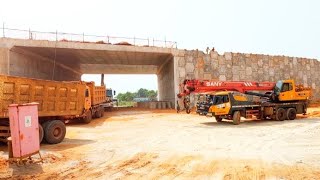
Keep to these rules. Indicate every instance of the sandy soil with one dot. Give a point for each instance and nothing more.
(143, 144)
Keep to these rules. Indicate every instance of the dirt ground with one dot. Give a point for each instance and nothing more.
(144, 144)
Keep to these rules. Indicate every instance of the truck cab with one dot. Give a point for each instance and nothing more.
(224, 100)
(204, 102)
(87, 98)
(226, 103)
(110, 100)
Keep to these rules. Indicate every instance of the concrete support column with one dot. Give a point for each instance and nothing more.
(166, 82)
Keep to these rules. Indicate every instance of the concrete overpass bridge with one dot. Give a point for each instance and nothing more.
(61, 60)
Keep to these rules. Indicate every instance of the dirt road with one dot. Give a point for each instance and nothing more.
(162, 144)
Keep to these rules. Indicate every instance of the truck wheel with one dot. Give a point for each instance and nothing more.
(41, 133)
(188, 110)
(236, 118)
(87, 119)
(291, 113)
(44, 125)
(55, 132)
(97, 114)
(260, 117)
(101, 112)
(218, 118)
(280, 114)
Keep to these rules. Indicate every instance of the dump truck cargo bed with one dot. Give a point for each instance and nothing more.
(98, 93)
(55, 98)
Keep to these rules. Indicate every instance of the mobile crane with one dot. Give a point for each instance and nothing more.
(282, 100)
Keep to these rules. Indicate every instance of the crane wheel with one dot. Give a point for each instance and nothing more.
(236, 117)
(291, 113)
(55, 132)
(280, 114)
(218, 118)
(41, 133)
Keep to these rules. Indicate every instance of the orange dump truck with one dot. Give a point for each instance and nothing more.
(59, 101)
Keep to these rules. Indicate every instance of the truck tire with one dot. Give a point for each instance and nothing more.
(236, 117)
(87, 119)
(218, 118)
(97, 114)
(291, 113)
(44, 125)
(280, 114)
(41, 133)
(101, 112)
(54, 132)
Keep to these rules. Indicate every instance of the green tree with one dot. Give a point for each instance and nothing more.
(152, 95)
(128, 96)
(120, 97)
(142, 93)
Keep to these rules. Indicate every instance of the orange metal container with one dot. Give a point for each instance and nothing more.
(24, 129)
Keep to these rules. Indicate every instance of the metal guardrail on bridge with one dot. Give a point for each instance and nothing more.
(84, 38)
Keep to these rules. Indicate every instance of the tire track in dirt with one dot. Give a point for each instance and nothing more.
(152, 166)
(279, 139)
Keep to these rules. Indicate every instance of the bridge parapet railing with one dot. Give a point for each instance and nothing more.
(84, 38)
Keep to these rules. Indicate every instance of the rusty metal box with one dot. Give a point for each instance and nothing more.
(24, 127)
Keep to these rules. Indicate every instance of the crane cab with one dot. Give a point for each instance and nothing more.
(287, 90)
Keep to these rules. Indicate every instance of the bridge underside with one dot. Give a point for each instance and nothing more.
(58, 63)
(84, 61)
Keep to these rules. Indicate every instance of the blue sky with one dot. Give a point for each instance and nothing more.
(276, 27)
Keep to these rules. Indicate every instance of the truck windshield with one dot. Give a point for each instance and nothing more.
(208, 98)
(220, 99)
(278, 87)
(109, 93)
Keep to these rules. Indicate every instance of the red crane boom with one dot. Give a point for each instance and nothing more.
(200, 86)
